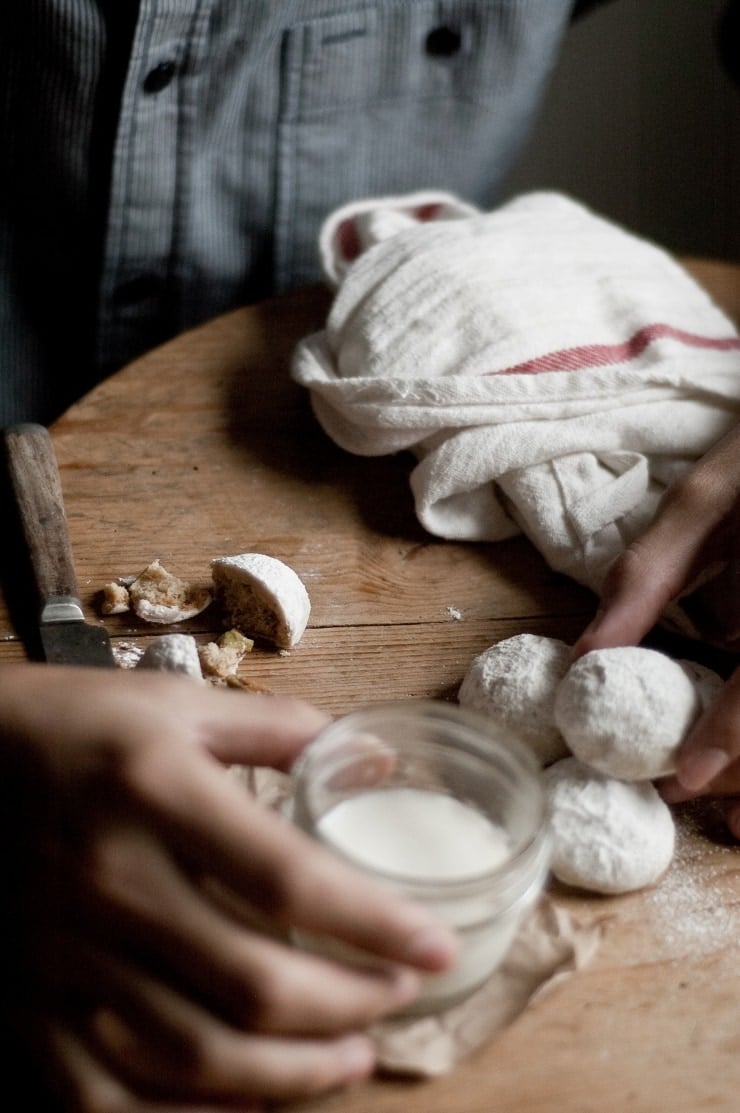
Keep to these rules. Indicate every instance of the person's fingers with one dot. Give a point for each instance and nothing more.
(135, 709)
(716, 602)
(659, 566)
(219, 829)
(148, 797)
(86, 1084)
(211, 1060)
(643, 580)
(152, 1065)
(673, 792)
(636, 591)
(258, 729)
(186, 949)
(709, 759)
(152, 766)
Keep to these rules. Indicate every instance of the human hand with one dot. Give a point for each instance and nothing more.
(697, 527)
(140, 988)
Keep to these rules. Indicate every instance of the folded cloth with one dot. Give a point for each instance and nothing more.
(551, 371)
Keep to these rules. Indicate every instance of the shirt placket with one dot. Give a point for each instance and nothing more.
(136, 294)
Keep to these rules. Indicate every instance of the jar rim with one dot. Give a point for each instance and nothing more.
(512, 877)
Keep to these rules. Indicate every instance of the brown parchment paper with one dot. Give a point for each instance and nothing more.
(549, 947)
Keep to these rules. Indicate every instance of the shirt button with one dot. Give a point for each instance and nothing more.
(443, 42)
(160, 77)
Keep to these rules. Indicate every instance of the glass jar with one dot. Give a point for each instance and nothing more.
(441, 804)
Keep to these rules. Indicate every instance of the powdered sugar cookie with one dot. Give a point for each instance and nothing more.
(173, 653)
(625, 711)
(515, 682)
(262, 597)
(608, 836)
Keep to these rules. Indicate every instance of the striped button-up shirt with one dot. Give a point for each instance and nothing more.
(169, 159)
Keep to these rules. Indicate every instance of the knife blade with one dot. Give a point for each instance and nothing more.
(66, 638)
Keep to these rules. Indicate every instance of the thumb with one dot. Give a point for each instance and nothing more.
(638, 587)
(708, 756)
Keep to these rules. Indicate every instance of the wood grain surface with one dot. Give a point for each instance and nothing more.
(205, 448)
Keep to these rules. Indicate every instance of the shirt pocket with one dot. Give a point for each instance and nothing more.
(393, 97)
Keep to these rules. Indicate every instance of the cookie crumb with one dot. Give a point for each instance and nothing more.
(115, 598)
(222, 658)
(248, 685)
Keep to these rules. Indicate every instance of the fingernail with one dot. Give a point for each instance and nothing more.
(433, 948)
(697, 769)
(358, 1055)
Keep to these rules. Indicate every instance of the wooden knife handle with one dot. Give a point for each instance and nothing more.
(34, 476)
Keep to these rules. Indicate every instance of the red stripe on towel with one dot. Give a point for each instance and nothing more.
(601, 355)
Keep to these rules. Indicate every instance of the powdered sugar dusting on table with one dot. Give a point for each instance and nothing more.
(693, 909)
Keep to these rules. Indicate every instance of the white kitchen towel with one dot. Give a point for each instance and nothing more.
(551, 371)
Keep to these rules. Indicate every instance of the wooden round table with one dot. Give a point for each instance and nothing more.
(205, 448)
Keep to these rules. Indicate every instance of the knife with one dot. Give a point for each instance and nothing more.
(34, 477)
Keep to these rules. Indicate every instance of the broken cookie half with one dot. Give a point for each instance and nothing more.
(158, 596)
(262, 596)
